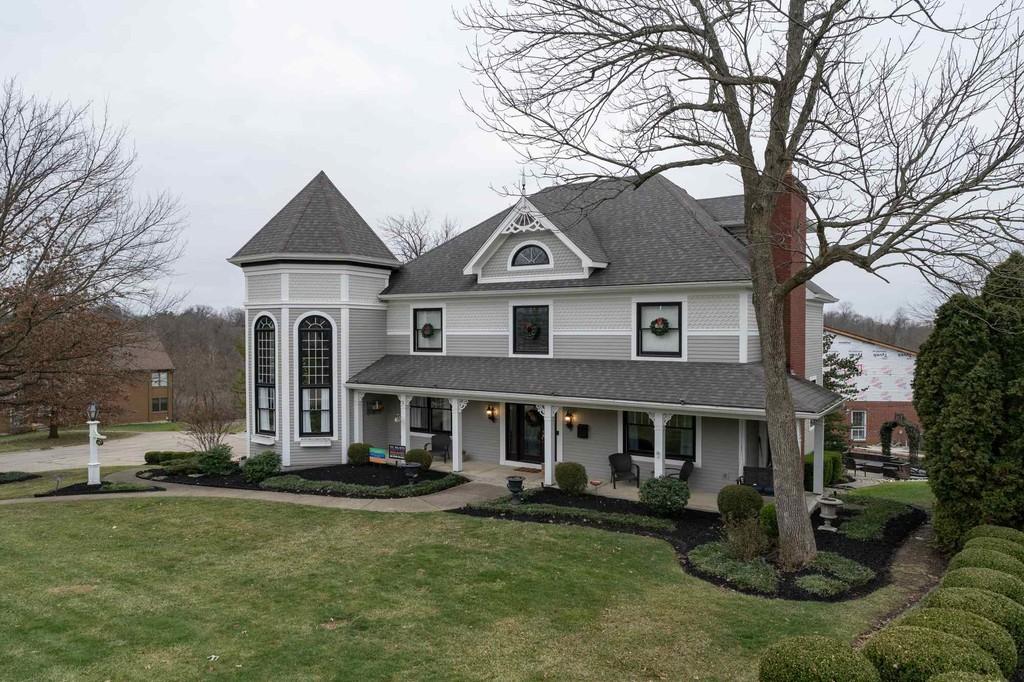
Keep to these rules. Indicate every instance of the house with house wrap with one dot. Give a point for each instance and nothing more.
(580, 321)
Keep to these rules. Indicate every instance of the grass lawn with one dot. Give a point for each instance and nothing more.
(909, 492)
(39, 440)
(147, 427)
(47, 481)
(154, 588)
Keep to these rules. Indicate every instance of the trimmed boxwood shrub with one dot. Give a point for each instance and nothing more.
(291, 483)
(814, 659)
(904, 653)
(961, 676)
(183, 467)
(163, 456)
(358, 453)
(737, 502)
(990, 636)
(665, 496)
(770, 521)
(987, 558)
(421, 457)
(997, 608)
(217, 461)
(998, 544)
(834, 469)
(1002, 532)
(261, 467)
(571, 477)
(987, 579)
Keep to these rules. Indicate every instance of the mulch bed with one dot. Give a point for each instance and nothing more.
(382, 475)
(695, 528)
(86, 489)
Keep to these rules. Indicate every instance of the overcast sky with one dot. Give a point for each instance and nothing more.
(234, 105)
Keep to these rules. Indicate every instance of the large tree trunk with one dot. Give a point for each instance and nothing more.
(796, 536)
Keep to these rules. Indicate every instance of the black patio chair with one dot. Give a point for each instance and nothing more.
(441, 446)
(682, 472)
(759, 478)
(623, 468)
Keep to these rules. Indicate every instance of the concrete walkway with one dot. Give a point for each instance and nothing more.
(120, 452)
(453, 498)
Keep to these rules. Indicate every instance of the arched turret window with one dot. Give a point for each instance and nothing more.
(265, 375)
(315, 368)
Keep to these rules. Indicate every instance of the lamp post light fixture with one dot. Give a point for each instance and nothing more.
(96, 439)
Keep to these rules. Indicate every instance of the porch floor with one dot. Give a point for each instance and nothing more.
(495, 474)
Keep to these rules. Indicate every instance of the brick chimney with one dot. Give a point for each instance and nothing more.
(789, 248)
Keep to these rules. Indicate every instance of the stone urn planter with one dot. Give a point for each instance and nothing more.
(515, 486)
(829, 507)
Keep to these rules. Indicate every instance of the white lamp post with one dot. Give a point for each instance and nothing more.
(95, 441)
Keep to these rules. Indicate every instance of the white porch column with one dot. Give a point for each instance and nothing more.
(819, 456)
(742, 449)
(659, 419)
(457, 407)
(550, 426)
(357, 421)
(403, 401)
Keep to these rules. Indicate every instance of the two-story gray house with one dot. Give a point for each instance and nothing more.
(581, 321)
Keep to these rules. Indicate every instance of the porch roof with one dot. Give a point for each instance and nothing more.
(699, 387)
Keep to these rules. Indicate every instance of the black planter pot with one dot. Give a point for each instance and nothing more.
(515, 486)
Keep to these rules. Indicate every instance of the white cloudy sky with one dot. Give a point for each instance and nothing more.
(234, 105)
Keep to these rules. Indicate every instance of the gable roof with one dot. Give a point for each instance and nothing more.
(631, 229)
(728, 210)
(868, 339)
(147, 353)
(318, 223)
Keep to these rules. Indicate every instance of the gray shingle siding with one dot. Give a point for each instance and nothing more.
(397, 344)
(604, 347)
(713, 348)
(814, 329)
(486, 345)
(481, 438)
(563, 260)
(366, 331)
(262, 288)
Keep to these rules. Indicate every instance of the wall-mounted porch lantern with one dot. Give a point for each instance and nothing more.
(374, 407)
(491, 412)
(570, 419)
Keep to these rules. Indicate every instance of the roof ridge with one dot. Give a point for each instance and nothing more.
(302, 213)
(706, 221)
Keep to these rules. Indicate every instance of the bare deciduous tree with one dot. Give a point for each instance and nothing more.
(906, 130)
(208, 418)
(411, 236)
(74, 242)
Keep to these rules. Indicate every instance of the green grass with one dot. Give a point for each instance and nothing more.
(917, 493)
(757, 574)
(40, 440)
(146, 427)
(151, 588)
(47, 481)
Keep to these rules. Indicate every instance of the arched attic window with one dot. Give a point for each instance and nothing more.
(265, 374)
(530, 255)
(315, 368)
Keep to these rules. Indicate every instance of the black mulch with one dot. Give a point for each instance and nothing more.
(86, 489)
(695, 528)
(382, 475)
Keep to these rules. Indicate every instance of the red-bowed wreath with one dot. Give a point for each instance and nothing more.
(660, 326)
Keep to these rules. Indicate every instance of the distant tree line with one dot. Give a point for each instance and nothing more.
(901, 329)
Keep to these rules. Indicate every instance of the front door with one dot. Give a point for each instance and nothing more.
(524, 434)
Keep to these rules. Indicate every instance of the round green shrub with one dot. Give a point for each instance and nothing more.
(903, 653)
(998, 544)
(259, 468)
(814, 659)
(738, 502)
(961, 676)
(990, 636)
(986, 579)
(987, 558)
(217, 461)
(770, 521)
(358, 453)
(665, 496)
(163, 456)
(571, 477)
(991, 605)
(1002, 532)
(421, 457)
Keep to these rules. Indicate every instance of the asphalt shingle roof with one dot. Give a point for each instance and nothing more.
(727, 210)
(712, 384)
(656, 233)
(318, 220)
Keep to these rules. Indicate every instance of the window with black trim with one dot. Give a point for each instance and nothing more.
(530, 324)
(428, 330)
(158, 404)
(658, 331)
(265, 374)
(315, 368)
(530, 255)
(430, 415)
(680, 436)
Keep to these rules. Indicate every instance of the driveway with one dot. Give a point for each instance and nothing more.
(124, 451)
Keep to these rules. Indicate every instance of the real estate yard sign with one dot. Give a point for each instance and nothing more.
(393, 455)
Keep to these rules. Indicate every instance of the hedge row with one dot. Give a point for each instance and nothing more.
(296, 484)
(834, 470)
(969, 630)
(161, 456)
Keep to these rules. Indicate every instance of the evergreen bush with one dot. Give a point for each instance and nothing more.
(814, 659)
(358, 453)
(904, 653)
(737, 502)
(990, 636)
(571, 477)
(665, 496)
(261, 467)
(421, 457)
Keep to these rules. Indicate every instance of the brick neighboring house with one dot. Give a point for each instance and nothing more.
(148, 396)
(885, 385)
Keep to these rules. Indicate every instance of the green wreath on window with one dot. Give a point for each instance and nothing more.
(427, 330)
(531, 329)
(660, 326)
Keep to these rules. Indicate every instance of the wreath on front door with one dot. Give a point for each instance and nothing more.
(533, 418)
(660, 326)
(531, 329)
(427, 330)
